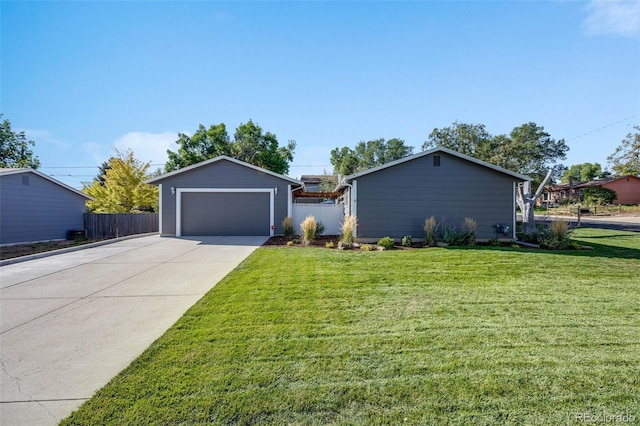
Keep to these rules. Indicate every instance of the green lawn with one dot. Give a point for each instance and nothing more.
(477, 335)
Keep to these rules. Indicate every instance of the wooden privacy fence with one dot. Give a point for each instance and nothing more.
(103, 225)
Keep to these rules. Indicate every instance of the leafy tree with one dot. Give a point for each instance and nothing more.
(203, 145)
(584, 172)
(124, 189)
(528, 149)
(102, 171)
(368, 154)
(14, 148)
(468, 139)
(597, 195)
(626, 158)
(250, 144)
(327, 182)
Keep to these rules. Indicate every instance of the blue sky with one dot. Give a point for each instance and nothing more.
(83, 77)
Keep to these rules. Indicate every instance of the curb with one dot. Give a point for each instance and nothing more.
(71, 249)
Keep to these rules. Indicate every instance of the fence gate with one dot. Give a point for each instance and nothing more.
(330, 215)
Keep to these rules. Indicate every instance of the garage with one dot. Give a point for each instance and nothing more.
(225, 213)
(223, 196)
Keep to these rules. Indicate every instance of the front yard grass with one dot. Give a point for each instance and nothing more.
(474, 335)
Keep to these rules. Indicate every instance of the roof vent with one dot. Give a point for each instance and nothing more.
(436, 161)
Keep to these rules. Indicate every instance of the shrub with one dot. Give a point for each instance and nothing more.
(469, 230)
(366, 247)
(387, 243)
(431, 232)
(320, 228)
(596, 195)
(407, 241)
(290, 243)
(494, 242)
(348, 228)
(329, 244)
(556, 236)
(452, 235)
(287, 228)
(308, 229)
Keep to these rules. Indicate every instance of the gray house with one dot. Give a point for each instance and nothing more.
(394, 199)
(223, 196)
(37, 207)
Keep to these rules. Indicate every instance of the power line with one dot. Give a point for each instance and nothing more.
(603, 127)
(85, 167)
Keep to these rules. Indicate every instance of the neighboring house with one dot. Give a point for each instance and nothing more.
(36, 207)
(313, 189)
(394, 199)
(627, 189)
(223, 196)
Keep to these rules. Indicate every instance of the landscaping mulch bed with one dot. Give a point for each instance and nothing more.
(321, 241)
(19, 250)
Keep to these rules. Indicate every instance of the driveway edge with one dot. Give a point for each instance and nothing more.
(71, 249)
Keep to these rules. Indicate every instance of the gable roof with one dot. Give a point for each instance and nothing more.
(220, 158)
(588, 183)
(15, 171)
(446, 151)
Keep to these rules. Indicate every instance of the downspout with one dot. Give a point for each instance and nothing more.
(290, 199)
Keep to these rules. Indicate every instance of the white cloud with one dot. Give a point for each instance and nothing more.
(148, 146)
(96, 152)
(41, 137)
(618, 17)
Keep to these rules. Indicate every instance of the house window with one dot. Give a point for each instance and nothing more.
(436, 161)
(25, 180)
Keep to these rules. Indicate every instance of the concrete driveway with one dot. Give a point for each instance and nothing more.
(72, 321)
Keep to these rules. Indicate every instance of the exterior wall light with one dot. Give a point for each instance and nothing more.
(173, 190)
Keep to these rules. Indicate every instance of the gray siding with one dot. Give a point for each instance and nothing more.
(221, 174)
(395, 201)
(38, 211)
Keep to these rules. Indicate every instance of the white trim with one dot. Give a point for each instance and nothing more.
(179, 192)
(354, 204)
(160, 208)
(289, 201)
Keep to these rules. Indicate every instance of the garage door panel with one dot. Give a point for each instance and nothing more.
(226, 213)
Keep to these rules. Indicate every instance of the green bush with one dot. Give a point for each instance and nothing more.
(366, 247)
(387, 243)
(320, 228)
(407, 241)
(452, 235)
(329, 244)
(597, 196)
(494, 242)
(556, 236)
(287, 228)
